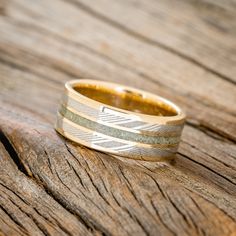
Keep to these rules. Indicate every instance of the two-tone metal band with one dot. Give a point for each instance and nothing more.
(117, 131)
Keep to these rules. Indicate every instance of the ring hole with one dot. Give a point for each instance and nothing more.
(125, 99)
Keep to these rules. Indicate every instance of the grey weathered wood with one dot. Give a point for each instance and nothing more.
(63, 188)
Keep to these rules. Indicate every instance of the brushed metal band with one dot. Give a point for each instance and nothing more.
(114, 126)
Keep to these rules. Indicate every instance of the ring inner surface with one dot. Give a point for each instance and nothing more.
(125, 99)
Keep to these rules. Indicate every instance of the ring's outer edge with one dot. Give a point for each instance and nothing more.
(92, 111)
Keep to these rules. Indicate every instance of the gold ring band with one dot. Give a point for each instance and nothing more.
(120, 120)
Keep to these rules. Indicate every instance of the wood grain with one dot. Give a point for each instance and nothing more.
(51, 186)
(202, 32)
(26, 208)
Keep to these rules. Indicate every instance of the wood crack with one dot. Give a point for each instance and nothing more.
(179, 211)
(49, 162)
(162, 221)
(78, 176)
(38, 224)
(12, 152)
(207, 154)
(212, 133)
(14, 219)
(128, 184)
(90, 224)
(95, 187)
(64, 205)
(15, 193)
(213, 203)
(158, 186)
(208, 168)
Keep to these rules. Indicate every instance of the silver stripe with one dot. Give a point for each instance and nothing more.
(112, 118)
(121, 147)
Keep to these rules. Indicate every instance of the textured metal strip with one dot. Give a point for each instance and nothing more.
(127, 122)
(122, 148)
(117, 133)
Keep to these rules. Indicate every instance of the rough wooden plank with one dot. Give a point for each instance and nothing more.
(116, 197)
(26, 208)
(46, 43)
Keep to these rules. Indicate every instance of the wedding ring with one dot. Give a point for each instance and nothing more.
(120, 120)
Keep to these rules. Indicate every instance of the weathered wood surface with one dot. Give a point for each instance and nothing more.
(183, 50)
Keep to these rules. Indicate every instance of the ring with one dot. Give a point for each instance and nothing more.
(120, 120)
